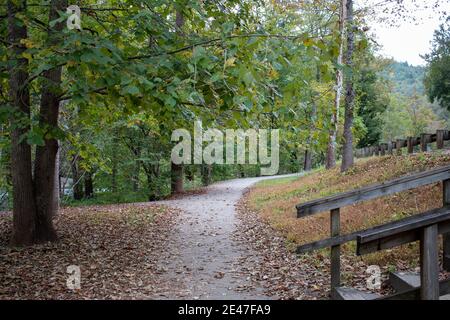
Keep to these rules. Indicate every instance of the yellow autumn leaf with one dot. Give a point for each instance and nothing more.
(187, 54)
(308, 42)
(27, 56)
(27, 42)
(273, 74)
(230, 62)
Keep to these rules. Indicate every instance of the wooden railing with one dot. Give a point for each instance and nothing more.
(395, 147)
(425, 228)
(335, 202)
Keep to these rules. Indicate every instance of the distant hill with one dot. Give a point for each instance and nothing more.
(406, 78)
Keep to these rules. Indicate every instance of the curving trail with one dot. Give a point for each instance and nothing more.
(200, 260)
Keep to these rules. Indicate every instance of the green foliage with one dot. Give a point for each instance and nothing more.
(406, 79)
(132, 75)
(372, 99)
(437, 80)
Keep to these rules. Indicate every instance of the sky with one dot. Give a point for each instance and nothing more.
(409, 40)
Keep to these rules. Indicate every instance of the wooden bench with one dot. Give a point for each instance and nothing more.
(335, 202)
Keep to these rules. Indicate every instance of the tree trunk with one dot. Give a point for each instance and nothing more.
(135, 178)
(307, 165)
(331, 149)
(114, 174)
(177, 171)
(151, 186)
(44, 167)
(206, 174)
(347, 154)
(88, 185)
(241, 171)
(176, 184)
(24, 205)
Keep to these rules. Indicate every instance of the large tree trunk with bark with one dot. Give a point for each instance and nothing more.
(176, 174)
(24, 205)
(347, 153)
(44, 168)
(331, 149)
(177, 171)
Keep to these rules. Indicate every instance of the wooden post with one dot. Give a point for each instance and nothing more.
(424, 140)
(410, 144)
(446, 236)
(390, 148)
(440, 139)
(335, 222)
(398, 146)
(429, 263)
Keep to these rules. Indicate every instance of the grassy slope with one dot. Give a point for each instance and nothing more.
(275, 201)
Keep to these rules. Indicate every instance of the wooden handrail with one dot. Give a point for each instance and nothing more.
(374, 191)
(400, 232)
(428, 217)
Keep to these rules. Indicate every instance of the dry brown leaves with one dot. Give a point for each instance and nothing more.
(286, 275)
(116, 247)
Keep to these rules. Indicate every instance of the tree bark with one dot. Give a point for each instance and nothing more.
(24, 205)
(331, 149)
(307, 165)
(88, 185)
(177, 171)
(44, 167)
(114, 172)
(347, 154)
(176, 185)
(206, 174)
(137, 170)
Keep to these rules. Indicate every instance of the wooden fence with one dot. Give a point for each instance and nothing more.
(395, 147)
(424, 227)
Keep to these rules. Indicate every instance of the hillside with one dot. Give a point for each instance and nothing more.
(274, 203)
(407, 79)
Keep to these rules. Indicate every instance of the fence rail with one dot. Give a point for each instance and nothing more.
(395, 147)
(391, 234)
